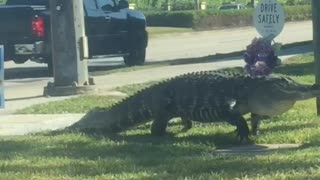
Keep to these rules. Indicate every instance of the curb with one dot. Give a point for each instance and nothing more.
(33, 123)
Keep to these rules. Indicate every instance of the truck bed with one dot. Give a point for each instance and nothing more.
(15, 21)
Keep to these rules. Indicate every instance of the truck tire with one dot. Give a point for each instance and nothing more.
(20, 59)
(136, 57)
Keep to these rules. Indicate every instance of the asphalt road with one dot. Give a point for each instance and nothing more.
(198, 44)
(219, 41)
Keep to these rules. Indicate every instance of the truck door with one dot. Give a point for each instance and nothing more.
(104, 31)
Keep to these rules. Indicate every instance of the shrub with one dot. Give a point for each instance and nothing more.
(149, 5)
(297, 13)
(178, 5)
(205, 20)
(170, 19)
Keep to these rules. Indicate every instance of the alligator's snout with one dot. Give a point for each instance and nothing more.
(315, 87)
(278, 96)
(315, 90)
(302, 92)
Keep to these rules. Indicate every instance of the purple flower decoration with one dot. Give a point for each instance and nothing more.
(260, 57)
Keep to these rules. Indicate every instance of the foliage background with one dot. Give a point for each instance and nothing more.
(214, 19)
(191, 4)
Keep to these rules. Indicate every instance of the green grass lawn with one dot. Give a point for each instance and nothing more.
(135, 154)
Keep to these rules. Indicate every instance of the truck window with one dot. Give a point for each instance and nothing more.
(91, 8)
(101, 3)
(90, 5)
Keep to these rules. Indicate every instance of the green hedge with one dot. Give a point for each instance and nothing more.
(157, 5)
(206, 20)
(296, 13)
(170, 19)
(177, 5)
(213, 19)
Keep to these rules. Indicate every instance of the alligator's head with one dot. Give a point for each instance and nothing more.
(275, 95)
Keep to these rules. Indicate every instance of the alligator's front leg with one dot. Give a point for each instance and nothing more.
(160, 123)
(238, 120)
(159, 126)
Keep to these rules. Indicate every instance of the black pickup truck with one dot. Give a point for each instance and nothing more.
(113, 30)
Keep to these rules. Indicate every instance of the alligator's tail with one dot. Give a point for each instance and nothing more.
(128, 113)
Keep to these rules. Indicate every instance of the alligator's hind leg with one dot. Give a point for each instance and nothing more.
(187, 124)
(255, 123)
(162, 117)
(159, 126)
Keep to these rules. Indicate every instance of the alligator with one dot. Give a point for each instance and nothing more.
(206, 96)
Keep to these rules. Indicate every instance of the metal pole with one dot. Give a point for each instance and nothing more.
(252, 3)
(197, 4)
(316, 43)
(69, 45)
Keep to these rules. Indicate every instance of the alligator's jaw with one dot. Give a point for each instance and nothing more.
(269, 107)
(303, 92)
(277, 100)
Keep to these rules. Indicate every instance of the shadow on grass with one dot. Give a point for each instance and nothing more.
(218, 140)
(90, 156)
(288, 127)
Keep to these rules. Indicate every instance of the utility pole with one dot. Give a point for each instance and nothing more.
(69, 48)
(316, 43)
(197, 4)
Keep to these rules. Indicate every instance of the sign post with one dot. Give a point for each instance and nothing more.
(69, 49)
(1, 77)
(269, 21)
(269, 18)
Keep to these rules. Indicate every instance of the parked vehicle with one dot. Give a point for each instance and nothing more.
(112, 29)
(232, 6)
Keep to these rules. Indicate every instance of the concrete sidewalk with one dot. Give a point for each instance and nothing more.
(32, 91)
(33, 123)
(19, 98)
(24, 124)
(21, 93)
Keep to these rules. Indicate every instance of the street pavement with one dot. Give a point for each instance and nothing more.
(24, 124)
(197, 44)
(21, 93)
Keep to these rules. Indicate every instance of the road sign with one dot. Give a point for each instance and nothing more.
(269, 18)
(1, 76)
(316, 43)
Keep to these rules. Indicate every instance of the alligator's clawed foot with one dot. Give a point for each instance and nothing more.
(185, 129)
(242, 133)
(243, 138)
